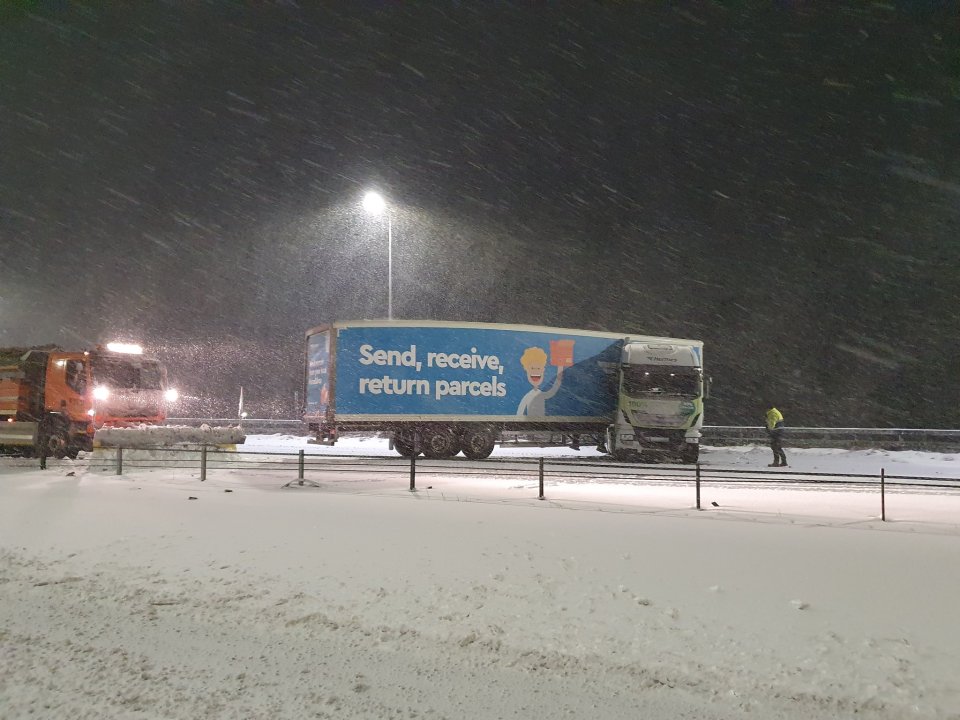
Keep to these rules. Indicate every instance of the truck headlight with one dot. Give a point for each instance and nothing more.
(171, 395)
(101, 392)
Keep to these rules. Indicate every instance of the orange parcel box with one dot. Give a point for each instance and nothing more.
(561, 353)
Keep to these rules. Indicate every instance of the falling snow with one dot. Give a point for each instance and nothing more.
(777, 182)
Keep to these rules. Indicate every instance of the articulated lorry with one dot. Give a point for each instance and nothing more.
(442, 388)
(52, 401)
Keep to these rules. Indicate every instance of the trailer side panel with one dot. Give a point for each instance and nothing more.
(436, 373)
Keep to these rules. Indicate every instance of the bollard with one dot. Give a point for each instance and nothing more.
(883, 496)
(119, 461)
(300, 468)
(413, 473)
(541, 480)
(698, 486)
(203, 463)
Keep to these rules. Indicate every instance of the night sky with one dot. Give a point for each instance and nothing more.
(780, 179)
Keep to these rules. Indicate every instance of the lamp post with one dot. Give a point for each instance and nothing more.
(374, 204)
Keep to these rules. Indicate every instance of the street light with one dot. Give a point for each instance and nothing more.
(374, 204)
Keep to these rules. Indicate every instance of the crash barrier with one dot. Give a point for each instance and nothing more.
(888, 438)
(324, 471)
(252, 426)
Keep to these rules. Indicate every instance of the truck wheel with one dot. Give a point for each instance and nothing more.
(403, 445)
(440, 444)
(478, 443)
(54, 439)
(690, 453)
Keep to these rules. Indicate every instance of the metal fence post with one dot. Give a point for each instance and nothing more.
(413, 473)
(883, 495)
(119, 461)
(300, 467)
(698, 486)
(203, 463)
(541, 479)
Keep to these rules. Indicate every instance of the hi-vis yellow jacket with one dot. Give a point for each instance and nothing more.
(774, 417)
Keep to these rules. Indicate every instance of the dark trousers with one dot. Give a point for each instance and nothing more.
(776, 444)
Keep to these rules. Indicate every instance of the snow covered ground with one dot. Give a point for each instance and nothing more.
(153, 595)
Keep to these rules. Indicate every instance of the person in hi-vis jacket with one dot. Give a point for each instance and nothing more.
(534, 403)
(775, 431)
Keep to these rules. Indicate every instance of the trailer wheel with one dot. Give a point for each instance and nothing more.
(403, 444)
(624, 456)
(440, 443)
(690, 453)
(478, 443)
(54, 439)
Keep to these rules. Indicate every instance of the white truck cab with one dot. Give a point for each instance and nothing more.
(660, 406)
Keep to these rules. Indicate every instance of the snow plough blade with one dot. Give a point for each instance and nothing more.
(157, 436)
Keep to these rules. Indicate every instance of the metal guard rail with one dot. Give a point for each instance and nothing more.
(902, 438)
(558, 471)
(899, 438)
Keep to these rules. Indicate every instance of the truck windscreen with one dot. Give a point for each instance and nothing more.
(658, 379)
(123, 373)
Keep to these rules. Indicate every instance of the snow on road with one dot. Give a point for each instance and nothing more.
(121, 597)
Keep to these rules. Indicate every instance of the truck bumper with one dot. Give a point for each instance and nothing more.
(656, 441)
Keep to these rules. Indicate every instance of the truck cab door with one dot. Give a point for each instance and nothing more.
(67, 382)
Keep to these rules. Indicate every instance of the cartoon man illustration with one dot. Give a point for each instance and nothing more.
(534, 403)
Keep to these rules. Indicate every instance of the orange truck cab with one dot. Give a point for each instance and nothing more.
(52, 401)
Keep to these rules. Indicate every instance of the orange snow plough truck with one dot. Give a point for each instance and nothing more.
(52, 402)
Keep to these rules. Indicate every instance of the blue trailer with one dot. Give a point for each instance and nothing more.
(442, 388)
